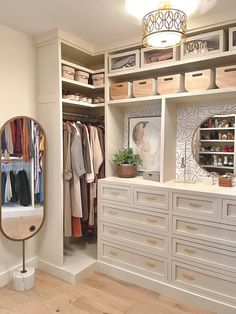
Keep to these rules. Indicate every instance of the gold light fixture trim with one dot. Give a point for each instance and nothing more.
(164, 28)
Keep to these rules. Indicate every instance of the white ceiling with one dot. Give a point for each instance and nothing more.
(95, 21)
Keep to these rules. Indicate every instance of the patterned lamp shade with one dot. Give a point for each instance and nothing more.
(164, 28)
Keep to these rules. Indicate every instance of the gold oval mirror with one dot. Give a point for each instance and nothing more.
(22, 178)
(214, 144)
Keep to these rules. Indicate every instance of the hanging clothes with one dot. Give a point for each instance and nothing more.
(87, 156)
(67, 176)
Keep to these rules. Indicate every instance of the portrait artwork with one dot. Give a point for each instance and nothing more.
(145, 137)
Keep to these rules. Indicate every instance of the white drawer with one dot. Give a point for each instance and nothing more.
(195, 205)
(205, 254)
(115, 193)
(131, 259)
(144, 240)
(151, 198)
(229, 211)
(205, 230)
(134, 218)
(201, 280)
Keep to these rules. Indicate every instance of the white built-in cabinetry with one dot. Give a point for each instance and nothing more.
(171, 233)
(179, 235)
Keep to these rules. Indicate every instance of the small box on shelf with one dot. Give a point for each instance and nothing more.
(68, 72)
(232, 38)
(121, 90)
(154, 56)
(204, 44)
(142, 88)
(226, 76)
(124, 61)
(171, 84)
(200, 80)
(81, 76)
(98, 79)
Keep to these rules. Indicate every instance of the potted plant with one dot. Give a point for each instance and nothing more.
(126, 162)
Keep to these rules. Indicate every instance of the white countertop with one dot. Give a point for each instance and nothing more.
(188, 187)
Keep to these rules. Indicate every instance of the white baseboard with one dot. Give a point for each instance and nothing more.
(6, 276)
(66, 274)
(166, 289)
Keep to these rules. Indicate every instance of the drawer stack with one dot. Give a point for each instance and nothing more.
(133, 229)
(204, 245)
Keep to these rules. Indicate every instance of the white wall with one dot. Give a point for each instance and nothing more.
(17, 97)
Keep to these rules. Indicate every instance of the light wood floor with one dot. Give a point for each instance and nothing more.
(97, 294)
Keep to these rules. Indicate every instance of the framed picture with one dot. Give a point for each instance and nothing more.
(144, 136)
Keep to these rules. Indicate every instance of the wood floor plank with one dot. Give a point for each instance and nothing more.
(97, 294)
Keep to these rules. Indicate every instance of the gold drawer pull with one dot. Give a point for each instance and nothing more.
(114, 253)
(152, 220)
(151, 241)
(112, 212)
(151, 198)
(195, 205)
(192, 228)
(189, 251)
(188, 277)
(115, 193)
(151, 264)
(113, 232)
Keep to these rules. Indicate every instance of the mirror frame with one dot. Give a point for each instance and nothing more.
(44, 180)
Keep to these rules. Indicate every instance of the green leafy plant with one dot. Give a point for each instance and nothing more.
(127, 156)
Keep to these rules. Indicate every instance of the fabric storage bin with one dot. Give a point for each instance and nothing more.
(68, 72)
(232, 38)
(154, 56)
(200, 80)
(144, 87)
(81, 76)
(98, 79)
(204, 44)
(170, 84)
(121, 90)
(124, 61)
(226, 76)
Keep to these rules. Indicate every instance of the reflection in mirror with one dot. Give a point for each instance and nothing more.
(22, 178)
(213, 144)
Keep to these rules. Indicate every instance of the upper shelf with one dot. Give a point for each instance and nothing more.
(82, 68)
(172, 67)
(181, 98)
(83, 85)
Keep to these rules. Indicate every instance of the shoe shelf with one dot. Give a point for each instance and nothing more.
(218, 141)
(218, 167)
(81, 104)
(216, 129)
(216, 153)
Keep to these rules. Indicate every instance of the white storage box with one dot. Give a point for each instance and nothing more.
(232, 38)
(124, 61)
(142, 88)
(81, 76)
(204, 44)
(121, 90)
(98, 79)
(151, 57)
(68, 72)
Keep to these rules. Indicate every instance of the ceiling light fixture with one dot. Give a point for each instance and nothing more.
(165, 27)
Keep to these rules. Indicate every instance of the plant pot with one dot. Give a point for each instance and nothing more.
(126, 171)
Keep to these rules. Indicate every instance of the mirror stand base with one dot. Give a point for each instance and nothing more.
(24, 281)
